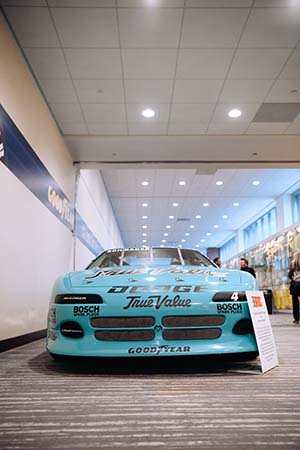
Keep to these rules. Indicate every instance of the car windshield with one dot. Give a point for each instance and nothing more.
(150, 257)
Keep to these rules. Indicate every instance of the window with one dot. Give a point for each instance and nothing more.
(261, 229)
(228, 249)
(296, 206)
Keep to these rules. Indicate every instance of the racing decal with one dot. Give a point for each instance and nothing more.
(129, 249)
(237, 296)
(157, 301)
(71, 299)
(157, 271)
(158, 288)
(158, 350)
(82, 311)
(229, 308)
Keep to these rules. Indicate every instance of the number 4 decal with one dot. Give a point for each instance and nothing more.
(235, 296)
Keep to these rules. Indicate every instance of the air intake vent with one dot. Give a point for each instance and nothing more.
(277, 112)
(183, 219)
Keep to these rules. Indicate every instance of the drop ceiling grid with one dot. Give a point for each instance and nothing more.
(119, 30)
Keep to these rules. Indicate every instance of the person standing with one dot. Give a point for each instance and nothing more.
(244, 264)
(217, 261)
(294, 276)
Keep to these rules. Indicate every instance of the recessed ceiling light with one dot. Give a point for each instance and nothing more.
(166, 234)
(208, 234)
(171, 217)
(145, 183)
(144, 234)
(255, 182)
(202, 240)
(145, 205)
(144, 226)
(187, 234)
(183, 240)
(163, 240)
(145, 217)
(205, 204)
(192, 226)
(144, 240)
(198, 217)
(224, 217)
(182, 183)
(234, 113)
(148, 113)
(180, 245)
(216, 226)
(219, 183)
(175, 204)
(197, 245)
(168, 226)
(161, 245)
(236, 204)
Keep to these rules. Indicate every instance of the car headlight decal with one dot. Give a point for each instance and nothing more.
(72, 299)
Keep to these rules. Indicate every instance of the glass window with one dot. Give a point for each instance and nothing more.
(296, 206)
(261, 229)
(228, 249)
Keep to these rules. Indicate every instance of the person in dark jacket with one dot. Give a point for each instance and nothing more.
(294, 276)
(245, 267)
(217, 261)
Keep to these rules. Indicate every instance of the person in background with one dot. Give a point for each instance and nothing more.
(245, 267)
(217, 261)
(294, 276)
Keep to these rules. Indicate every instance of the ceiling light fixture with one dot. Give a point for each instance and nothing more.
(234, 113)
(198, 217)
(163, 240)
(171, 217)
(166, 234)
(144, 226)
(145, 205)
(208, 234)
(148, 113)
(144, 240)
(202, 240)
(224, 217)
(145, 183)
(168, 226)
(236, 204)
(145, 217)
(192, 226)
(216, 226)
(187, 234)
(197, 245)
(182, 183)
(183, 240)
(144, 234)
(175, 204)
(205, 204)
(219, 183)
(255, 182)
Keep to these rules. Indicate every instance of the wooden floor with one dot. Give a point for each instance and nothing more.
(175, 405)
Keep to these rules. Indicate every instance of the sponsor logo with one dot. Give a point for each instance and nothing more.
(256, 300)
(62, 205)
(86, 310)
(157, 301)
(159, 288)
(157, 271)
(230, 308)
(159, 350)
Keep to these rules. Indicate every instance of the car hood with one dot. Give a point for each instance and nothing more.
(159, 276)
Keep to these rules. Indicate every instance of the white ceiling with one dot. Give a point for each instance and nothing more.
(99, 63)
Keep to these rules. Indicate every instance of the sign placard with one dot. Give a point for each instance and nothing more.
(262, 329)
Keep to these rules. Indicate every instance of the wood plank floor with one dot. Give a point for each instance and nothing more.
(170, 405)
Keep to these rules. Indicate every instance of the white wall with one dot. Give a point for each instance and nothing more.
(35, 247)
(94, 206)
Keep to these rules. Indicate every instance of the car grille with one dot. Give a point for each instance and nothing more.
(192, 321)
(124, 335)
(191, 334)
(122, 322)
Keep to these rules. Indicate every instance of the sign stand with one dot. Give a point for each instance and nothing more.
(262, 329)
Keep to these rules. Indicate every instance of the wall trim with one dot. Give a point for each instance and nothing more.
(8, 344)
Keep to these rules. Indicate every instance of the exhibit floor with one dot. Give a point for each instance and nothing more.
(158, 403)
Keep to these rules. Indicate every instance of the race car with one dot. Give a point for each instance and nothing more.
(134, 302)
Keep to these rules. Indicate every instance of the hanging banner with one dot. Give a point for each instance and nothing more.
(262, 329)
(19, 157)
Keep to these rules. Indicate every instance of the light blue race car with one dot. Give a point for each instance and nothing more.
(151, 302)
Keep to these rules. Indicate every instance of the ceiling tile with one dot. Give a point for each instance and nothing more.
(293, 129)
(212, 28)
(286, 91)
(32, 26)
(187, 128)
(151, 27)
(267, 128)
(274, 3)
(154, 91)
(248, 112)
(203, 63)
(73, 128)
(150, 3)
(94, 63)
(81, 3)
(245, 91)
(258, 63)
(100, 91)
(146, 64)
(67, 112)
(107, 128)
(134, 113)
(272, 27)
(86, 27)
(191, 113)
(292, 69)
(197, 91)
(58, 91)
(218, 3)
(277, 112)
(104, 113)
(24, 2)
(147, 128)
(227, 128)
(47, 63)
